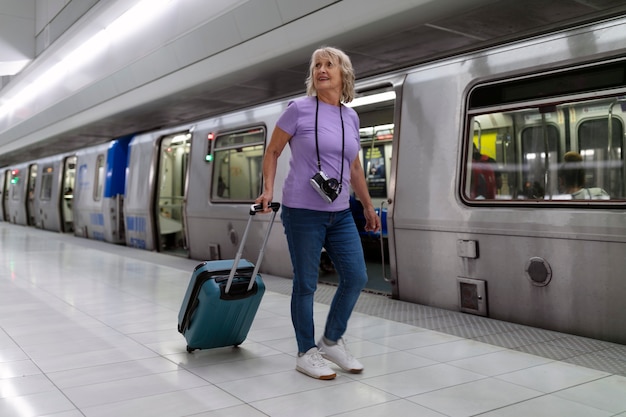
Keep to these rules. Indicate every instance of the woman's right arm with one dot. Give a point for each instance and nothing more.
(270, 162)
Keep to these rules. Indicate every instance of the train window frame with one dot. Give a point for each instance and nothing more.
(508, 106)
(235, 142)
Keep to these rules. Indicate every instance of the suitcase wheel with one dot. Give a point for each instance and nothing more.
(190, 349)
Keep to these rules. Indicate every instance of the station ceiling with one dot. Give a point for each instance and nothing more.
(386, 47)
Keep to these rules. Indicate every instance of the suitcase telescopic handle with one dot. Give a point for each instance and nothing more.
(259, 207)
(253, 210)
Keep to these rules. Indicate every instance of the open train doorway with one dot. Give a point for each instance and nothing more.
(376, 108)
(4, 195)
(170, 195)
(67, 197)
(30, 197)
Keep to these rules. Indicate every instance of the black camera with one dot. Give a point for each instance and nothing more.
(328, 188)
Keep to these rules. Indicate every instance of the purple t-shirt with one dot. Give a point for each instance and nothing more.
(299, 121)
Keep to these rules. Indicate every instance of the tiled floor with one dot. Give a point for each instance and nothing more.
(89, 329)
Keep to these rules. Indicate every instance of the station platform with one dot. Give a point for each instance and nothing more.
(89, 329)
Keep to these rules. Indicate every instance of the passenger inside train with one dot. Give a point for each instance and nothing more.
(572, 179)
(486, 180)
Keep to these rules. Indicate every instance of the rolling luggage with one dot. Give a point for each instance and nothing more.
(223, 297)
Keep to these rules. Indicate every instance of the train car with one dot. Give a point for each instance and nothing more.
(188, 187)
(98, 198)
(155, 191)
(51, 183)
(225, 178)
(16, 194)
(532, 252)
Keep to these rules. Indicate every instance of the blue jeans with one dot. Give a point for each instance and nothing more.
(307, 232)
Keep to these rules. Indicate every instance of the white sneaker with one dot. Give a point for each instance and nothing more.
(340, 355)
(313, 365)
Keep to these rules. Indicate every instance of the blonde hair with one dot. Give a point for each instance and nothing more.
(336, 56)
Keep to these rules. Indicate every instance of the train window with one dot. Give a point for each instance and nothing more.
(598, 146)
(237, 165)
(548, 142)
(99, 180)
(45, 192)
(539, 149)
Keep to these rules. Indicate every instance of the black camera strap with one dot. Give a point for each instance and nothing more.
(343, 142)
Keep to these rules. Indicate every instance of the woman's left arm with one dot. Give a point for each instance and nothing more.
(359, 185)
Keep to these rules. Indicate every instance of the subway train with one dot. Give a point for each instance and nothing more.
(464, 157)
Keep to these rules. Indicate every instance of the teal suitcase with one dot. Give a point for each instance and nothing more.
(223, 297)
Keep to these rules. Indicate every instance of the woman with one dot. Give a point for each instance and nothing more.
(323, 136)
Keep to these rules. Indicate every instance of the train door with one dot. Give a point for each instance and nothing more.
(67, 197)
(376, 109)
(170, 193)
(30, 195)
(3, 195)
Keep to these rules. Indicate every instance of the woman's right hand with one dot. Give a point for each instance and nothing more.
(265, 199)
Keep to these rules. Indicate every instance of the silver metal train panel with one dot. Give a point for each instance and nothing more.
(227, 147)
(53, 192)
(138, 213)
(15, 194)
(442, 243)
(99, 193)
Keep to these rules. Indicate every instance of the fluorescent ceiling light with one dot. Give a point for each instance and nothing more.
(371, 99)
(135, 17)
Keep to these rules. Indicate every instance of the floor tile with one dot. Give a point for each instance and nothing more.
(247, 368)
(500, 362)
(111, 372)
(324, 401)
(553, 376)
(40, 404)
(25, 385)
(392, 408)
(454, 350)
(85, 396)
(607, 394)
(172, 404)
(417, 381)
(276, 385)
(415, 339)
(16, 369)
(547, 406)
(473, 398)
